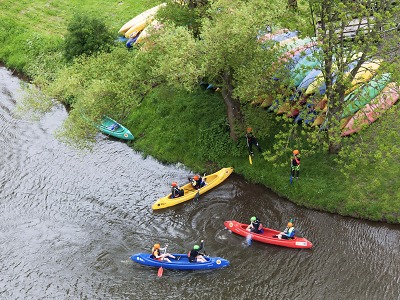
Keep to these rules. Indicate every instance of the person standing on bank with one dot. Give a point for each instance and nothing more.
(295, 164)
(252, 140)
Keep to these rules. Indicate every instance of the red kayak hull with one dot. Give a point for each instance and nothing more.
(267, 236)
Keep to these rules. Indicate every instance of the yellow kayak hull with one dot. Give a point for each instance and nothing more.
(211, 180)
(139, 21)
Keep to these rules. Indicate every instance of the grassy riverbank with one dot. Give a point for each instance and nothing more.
(175, 126)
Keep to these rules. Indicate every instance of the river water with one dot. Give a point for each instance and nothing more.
(69, 222)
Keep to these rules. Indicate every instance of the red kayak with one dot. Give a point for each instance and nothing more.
(267, 236)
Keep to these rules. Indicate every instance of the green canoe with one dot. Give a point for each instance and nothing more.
(113, 128)
(364, 94)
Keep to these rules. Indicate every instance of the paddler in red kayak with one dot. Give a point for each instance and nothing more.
(255, 226)
(156, 252)
(288, 233)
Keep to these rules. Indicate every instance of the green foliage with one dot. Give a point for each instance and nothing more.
(86, 35)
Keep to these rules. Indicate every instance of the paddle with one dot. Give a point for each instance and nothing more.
(196, 197)
(248, 146)
(248, 239)
(204, 248)
(160, 269)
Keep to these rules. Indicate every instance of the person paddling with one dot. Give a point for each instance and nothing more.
(288, 233)
(194, 254)
(295, 164)
(156, 252)
(255, 226)
(197, 182)
(176, 191)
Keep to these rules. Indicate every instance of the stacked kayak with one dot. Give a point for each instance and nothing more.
(211, 180)
(113, 128)
(138, 23)
(268, 236)
(373, 110)
(181, 262)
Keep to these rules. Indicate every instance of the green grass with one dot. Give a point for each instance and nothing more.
(175, 126)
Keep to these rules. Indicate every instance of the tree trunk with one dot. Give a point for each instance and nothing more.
(232, 105)
(292, 4)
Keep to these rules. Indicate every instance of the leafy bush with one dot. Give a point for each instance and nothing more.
(87, 36)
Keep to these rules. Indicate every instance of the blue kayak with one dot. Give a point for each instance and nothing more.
(181, 262)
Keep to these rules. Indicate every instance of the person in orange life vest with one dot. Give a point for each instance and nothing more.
(194, 254)
(288, 233)
(295, 164)
(251, 140)
(156, 252)
(255, 225)
(197, 182)
(176, 191)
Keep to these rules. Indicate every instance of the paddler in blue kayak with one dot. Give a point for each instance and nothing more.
(255, 226)
(194, 254)
(156, 252)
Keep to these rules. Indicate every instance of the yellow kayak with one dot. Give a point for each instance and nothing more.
(139, 22)
(211, 180)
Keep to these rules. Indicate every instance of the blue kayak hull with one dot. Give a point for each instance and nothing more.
(181, 262)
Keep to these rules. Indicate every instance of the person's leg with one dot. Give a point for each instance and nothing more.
(251, 147)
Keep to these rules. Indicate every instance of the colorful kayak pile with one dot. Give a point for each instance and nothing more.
(137, 29)
(369, 96)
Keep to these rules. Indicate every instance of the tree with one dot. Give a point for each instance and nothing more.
(227, 54)
(348, 28)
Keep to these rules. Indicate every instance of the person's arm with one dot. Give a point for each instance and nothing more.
(201, 244)
(165, 248)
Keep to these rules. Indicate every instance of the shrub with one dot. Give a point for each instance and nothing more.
(87, 36)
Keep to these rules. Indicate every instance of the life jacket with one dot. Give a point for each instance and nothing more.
(197, 183)
(192, 254)
(256, 226)
(156, 253)
(295, 163)
(175, 192)
(290, 232)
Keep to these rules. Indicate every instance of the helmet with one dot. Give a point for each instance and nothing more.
(252, 219)
(157, 246)
(174, 183)
(249, 129)
(295, 152)
(196, 177)
(290, 224)
(196, 247)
